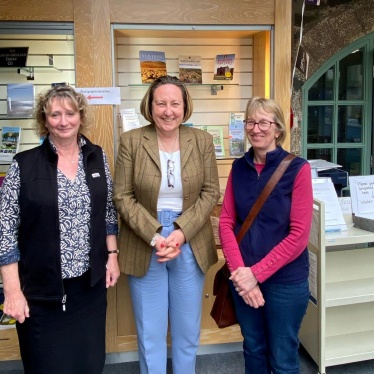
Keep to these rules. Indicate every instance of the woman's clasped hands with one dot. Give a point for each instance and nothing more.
(245, 284)
(169, 248)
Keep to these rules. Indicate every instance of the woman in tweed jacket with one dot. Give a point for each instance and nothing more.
(165, 187)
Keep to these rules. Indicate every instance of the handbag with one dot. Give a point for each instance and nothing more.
(223, 310)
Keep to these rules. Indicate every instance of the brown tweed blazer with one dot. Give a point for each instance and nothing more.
(137, 183)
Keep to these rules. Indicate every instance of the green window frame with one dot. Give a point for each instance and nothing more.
(337, 126)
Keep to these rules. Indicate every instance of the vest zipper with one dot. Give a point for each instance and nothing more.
(63, 298)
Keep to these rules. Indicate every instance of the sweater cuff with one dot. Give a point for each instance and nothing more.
(10, 257)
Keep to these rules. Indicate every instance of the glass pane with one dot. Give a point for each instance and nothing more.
(350, 159)
(351, 80)
(320, 124)
(350, 124)
(322, 154)
(323, 89)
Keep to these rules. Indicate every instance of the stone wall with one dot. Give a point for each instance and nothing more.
(328, 28)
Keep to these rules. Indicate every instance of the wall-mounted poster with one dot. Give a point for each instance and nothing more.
(224, 67)
(152, 65)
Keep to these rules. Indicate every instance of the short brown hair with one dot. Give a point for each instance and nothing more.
(146, 104)
(44, 104)
(272, 107)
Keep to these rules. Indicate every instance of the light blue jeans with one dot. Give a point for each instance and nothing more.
(173, 288)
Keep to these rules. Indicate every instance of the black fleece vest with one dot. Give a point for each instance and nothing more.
(39, 232)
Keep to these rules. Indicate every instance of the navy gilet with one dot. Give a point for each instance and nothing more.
(272, 224)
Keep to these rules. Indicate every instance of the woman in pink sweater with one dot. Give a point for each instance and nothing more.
(270, 267)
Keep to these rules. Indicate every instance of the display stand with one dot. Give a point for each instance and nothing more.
(339, 326)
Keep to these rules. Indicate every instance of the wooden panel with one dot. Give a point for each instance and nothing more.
(237, 35)
(261, 64)
(9, 347)
(84, 43)
(103, 134)
(210, 12)
(125, 315)
(282, 60)
(36, 10)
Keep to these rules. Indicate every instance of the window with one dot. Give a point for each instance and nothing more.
(337, 109)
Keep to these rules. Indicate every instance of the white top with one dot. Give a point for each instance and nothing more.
(169, 197)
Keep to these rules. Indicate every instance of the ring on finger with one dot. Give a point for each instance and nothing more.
(237, 289)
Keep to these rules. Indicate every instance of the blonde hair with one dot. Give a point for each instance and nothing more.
(272, 107)
(146, 104)
(43, 107)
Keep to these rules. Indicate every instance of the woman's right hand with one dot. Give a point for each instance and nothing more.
(15, 305)
(254, 297)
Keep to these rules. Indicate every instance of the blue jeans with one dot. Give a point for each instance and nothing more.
(175, 289)
(271, 332)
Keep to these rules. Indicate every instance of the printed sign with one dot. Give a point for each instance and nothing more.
(101, 95)
(13, 57)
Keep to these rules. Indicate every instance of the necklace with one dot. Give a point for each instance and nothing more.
(164, 148)
(72, 161)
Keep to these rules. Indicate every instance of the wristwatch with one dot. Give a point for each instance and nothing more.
(116, 251)
(153, 241)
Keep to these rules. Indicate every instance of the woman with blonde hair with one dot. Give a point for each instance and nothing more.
(58, 251)
(270, 266)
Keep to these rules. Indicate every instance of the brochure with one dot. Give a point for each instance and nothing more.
(152, 65)
(10, 139)
(190, 69)
(217, 133)
(236, 134)
(20, 100)
(130, 119)
(224, 67)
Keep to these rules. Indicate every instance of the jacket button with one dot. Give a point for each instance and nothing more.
(185, 178)
(185, 197)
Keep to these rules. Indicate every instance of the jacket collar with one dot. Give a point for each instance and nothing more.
(52, 157)
(270, 156)
(151, 146)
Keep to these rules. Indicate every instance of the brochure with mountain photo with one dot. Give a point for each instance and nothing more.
(20, 100)
(152, 65)
(224, 67)
(10, 139)
(190, 69)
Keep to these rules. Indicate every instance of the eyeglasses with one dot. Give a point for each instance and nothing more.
(250, 124)
(170, 171)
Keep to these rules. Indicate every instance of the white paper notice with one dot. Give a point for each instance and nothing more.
(101, 95)
(363, 194)
(313, 283)
(345, 204)
(323, 190)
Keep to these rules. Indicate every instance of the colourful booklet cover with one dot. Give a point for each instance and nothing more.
(236, 134)
(224, 67)
(152, 65)
(190, 69)
(20, 100)
(217, 133)
(10, 139)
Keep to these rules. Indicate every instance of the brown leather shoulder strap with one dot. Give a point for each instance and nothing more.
(272, 182)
